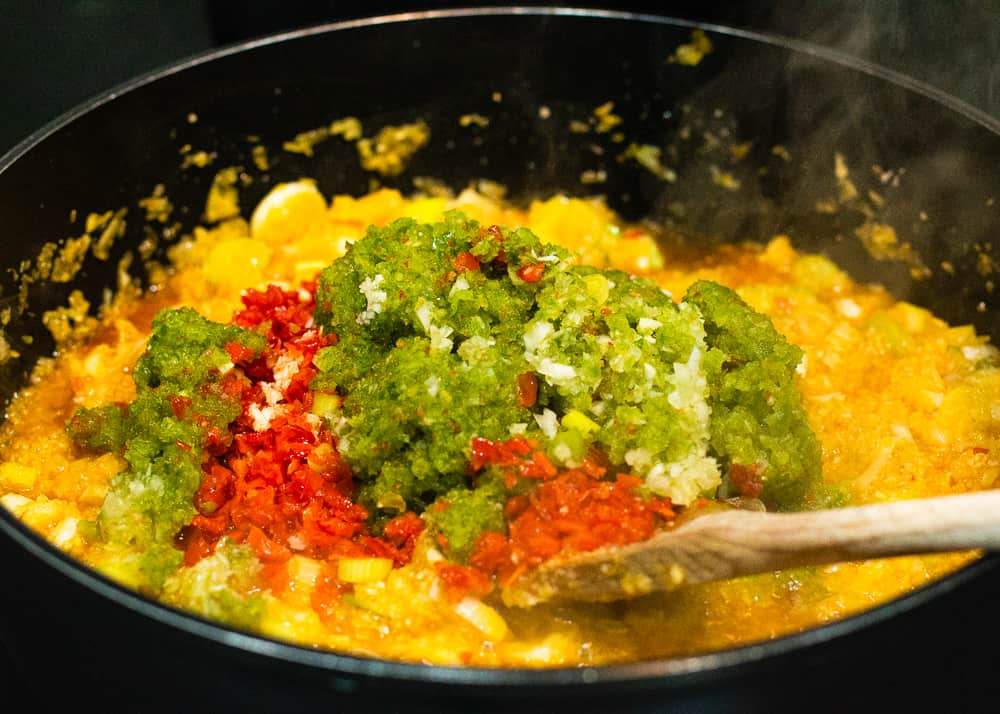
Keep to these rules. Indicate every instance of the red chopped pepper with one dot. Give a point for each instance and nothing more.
(518, 457)
(576, 510)
(491, 552)
(402, 531)
(461, 580)
(197, 544)
(532, 272)
(239, 353)
(747, 479)
(284, 489)
(216, 489)
(266, 548)
(499, 453)
(527, 389)
(466, 261)
(538, 467)
(179, 404)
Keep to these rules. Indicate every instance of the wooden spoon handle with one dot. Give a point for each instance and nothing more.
(729, 544)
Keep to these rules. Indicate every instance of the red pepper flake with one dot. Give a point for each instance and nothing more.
(179, 404)
(532, 272)
(266, 548)
(216, 488)
(527, 389)
(466, 261)
(494, 232)
(538, 467)
(747, 479)
(499, 453)
(491, 552)
(239, 353)
(462, 580)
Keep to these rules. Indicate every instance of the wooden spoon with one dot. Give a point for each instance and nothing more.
(728, 544)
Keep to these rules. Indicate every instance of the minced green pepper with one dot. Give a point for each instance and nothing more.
(758, 420)
(441, 326)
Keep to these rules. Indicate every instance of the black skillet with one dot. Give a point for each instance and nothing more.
(71, 636)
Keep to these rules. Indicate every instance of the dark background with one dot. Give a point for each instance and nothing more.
(57, 53)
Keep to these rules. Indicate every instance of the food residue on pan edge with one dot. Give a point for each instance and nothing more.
(693, 52)
(348, 128)
(388, 153)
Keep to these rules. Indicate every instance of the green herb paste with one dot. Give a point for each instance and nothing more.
(437, 324)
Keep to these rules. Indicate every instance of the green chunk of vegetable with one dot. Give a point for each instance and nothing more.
(461, 515)
(181, 401)
(145, 570)
(220, 587)
(428, 355)
(758, 420)
(185, 350)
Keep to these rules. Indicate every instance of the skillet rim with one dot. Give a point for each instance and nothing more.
(676, 672)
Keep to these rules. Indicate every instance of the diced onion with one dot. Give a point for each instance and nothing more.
(597, 287)
(363, 570)
(14, 476)
(14, 502)
(483, 617)
(325, 404)
(575, 419)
